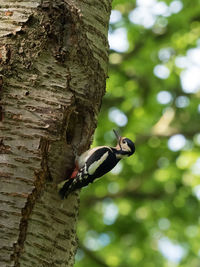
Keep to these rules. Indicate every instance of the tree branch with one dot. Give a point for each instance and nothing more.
(93, 256)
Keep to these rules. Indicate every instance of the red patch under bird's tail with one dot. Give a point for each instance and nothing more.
(75, 171)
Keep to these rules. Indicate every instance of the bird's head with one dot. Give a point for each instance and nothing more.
(124, 145)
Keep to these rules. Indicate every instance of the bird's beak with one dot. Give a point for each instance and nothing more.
(117, 136)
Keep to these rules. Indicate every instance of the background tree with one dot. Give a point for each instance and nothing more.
(53, 57)
(146, 212)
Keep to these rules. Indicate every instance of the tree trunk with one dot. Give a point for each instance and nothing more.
(53, 61)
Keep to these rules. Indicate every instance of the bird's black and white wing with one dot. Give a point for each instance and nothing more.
(97, 162)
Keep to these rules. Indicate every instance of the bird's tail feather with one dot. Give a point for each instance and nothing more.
(65, 188)
(69, 185)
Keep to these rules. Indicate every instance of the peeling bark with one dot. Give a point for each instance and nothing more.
(53, 63)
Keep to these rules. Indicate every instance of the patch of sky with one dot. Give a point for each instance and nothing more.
(196, 191)
(117, 116)
(189, 77)
(115, 16)
(195, 169)
(161, 71)
(182, 101)
(95, 241)
(176, 142)
(164, 97)
(147, 11)
(110, 212)
(173, 252)
(79, 255)
(164, 54)
(118, 40)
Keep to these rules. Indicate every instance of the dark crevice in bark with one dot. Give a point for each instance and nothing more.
(1, 87)
(75, 129)
(40, 179)
(71, 128)
(1, 113)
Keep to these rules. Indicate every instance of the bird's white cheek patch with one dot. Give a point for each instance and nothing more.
(126, 148)
(96, 164)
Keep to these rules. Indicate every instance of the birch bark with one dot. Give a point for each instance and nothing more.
(53, 63)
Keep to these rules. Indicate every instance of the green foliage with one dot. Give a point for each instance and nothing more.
(151, 200)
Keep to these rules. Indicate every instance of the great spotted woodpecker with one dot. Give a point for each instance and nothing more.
(95, 162)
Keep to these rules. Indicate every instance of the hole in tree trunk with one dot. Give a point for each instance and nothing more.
(74, 128)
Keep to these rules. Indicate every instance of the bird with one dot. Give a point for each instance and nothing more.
(96, 162)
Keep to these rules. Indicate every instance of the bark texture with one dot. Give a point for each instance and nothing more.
(53, 62)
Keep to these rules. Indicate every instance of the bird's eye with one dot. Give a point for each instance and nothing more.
(124, 142)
